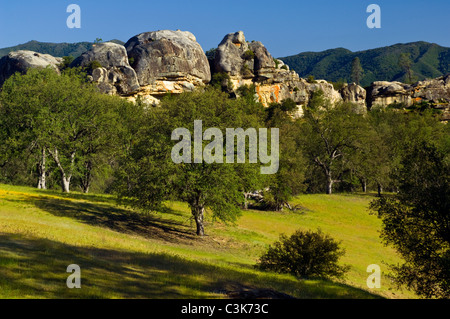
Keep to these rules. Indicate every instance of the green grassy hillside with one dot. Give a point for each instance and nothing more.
(429, 60)
(127, 254)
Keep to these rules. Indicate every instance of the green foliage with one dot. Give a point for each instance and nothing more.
(289, 180)
(246, 72)
(284, 67)
(311, 79)
(415, 221)
(67, 60)
(305, 254)
(248, 55)
(63, 118)
(277, 63)
(93, 65)
(54, 49)
(332, 134)
(211, 53)
(131, 60)
(150, 176)
(287, 106)
(222, 81)
(339, 84)
(357, 71)
(405, 64)
(247, 91)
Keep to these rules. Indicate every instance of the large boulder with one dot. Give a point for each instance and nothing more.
(229, 57)
(21, 61)
(353, 93)
(112, 73)
(240, 59)
(168, 56)
(265, 65)
(384, 93)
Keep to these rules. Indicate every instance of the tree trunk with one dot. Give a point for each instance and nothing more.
(329, 184)
(65, 182)
(197, 212)
(380, 189)
(65, 178)
(246, 200)
(42, 172)
(363, 185)
(86, 180)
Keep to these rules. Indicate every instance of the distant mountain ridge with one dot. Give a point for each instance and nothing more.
(54, 49)
(429, 60)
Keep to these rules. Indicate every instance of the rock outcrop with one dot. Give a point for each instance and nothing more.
(384, 93)
(21, 61)
(353, 93)
(434, 93)
(153, 64)
(251, 64)
(167, 61)
(115, 75)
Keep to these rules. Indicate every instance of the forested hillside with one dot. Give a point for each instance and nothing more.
(428, 60)
(55, 49)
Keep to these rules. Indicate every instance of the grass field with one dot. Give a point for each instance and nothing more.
(126, 254)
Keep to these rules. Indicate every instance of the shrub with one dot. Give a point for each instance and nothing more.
(305, 254)
(222, 81)
(277, 63)
(311, 79)
(246, 72)
(67, 60)
(94, 65)
(248, 55)
(339, 84)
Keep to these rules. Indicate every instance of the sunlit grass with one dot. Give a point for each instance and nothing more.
(126, 254)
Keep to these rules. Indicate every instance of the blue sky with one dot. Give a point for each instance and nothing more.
(285, 27)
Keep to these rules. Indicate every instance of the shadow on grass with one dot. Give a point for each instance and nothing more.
(32, 267)
(115, 218)
(78, 196)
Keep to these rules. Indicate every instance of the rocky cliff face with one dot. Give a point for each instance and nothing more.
(21, 61)
(251, 63)
(115, 76)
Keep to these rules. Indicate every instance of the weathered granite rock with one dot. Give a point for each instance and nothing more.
(383, 93)
(434, 93)
(252, 64)
(115, 76)
(21, 61)
(353, 93)
(167, 55)
(229, 57)
(264, 65)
